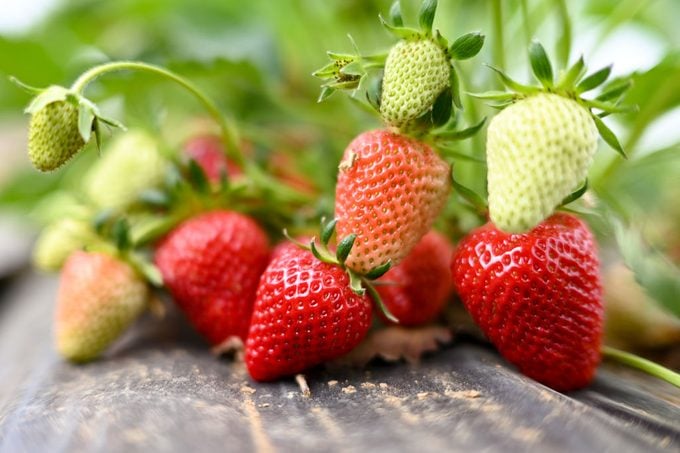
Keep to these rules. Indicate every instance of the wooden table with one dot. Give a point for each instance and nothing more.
(160, 389)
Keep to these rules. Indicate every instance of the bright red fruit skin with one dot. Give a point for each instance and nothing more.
(212, 264)
(417, 289)
(390, 190)
(537, 296)
(305, 314)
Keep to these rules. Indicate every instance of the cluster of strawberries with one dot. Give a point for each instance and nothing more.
(529, 277)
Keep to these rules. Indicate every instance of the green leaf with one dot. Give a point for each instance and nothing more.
(379, 271)
(344, 247)
(575, 195)
(51, 94)
(326, 92)
(454, 83)
(467, 46)
(447, 150)
(442, 108)
(540, 64)
(85, 120)
(594, 80)
(608, 136)
(197, 177)
(395, 14)
(426, 15)
(327, 231)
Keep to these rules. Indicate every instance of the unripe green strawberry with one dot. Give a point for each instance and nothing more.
(58, 240)
(99, 297)
(130, 165)
(416, 71)
(538, 150)
(53, 136)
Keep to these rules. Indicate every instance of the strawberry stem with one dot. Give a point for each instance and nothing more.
(647, 366)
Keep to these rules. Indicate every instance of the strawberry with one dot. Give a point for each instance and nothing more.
(537, 296)
(208, 152)
(416, 290)
(305, 314)
(99, 297)
(53, 136)
(538, 151)
(416, 72)
(390, 189)
(212, 264)
(130, 165)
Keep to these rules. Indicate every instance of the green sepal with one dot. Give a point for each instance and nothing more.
(594, 80)
(575, 195)
(197, 177)
(495, 95)
(327, 230)
(440, 40)
(86, 117)
(608, 136)
(149, 271)
(374, 91)
(321, 253)
(454, 83)
(467, 46)
(375, 295)
(97, 128)
(120, 234)
(540, 64)
(155, 198)
(355, 283)
(395, 14)
(614, 90)
(100, 220)
(447, 150)
(379, 271)
(354, 68)
(53, 93)
(399, 32)
(469, 195)
(344, 247)
(451, 135)
(426, 16)
(512, 84)
(573, 74)
(442, 107)
(111, 122)
(27, 88)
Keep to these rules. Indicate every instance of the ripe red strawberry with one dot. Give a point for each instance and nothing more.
(305, 314)
(537, 296)
(417, 289)
(208, 152)
(211, 264)
(390, 190)
(99, 297)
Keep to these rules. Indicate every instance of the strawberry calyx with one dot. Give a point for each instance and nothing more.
(90, 118)
(572, 83)
(357, 73)
(359, 283)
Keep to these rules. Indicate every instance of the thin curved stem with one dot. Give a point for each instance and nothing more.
(498, 42)
(229, 135)
(649, 367)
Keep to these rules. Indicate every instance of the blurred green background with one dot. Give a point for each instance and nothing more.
(255, 59)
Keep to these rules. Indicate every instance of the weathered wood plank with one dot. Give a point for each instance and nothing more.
(159, 389)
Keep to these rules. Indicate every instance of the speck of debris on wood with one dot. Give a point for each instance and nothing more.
(247, 389)
(332, 383)
(304, 387)
(367, 385)
(349, 389)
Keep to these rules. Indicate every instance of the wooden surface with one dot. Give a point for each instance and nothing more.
(160, 390)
